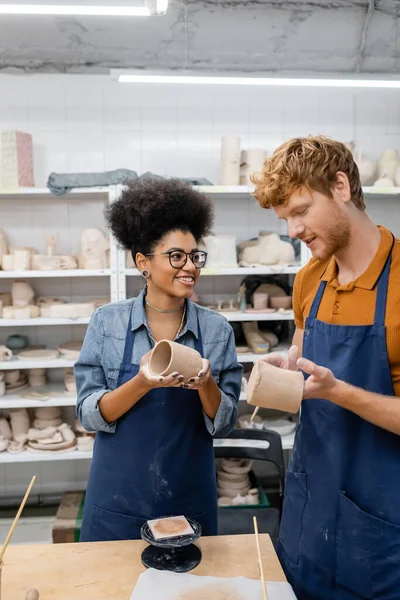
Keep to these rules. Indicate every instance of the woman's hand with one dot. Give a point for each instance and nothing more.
(156, 381)
(203, 377)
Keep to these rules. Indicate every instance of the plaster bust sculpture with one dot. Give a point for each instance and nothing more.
(22, 294)
(94, 247)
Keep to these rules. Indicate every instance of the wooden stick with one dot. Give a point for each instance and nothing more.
(264, 589)
(257, 408)
(17, 516)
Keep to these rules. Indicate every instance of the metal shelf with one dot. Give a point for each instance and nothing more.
(55, 363)
(242, 316)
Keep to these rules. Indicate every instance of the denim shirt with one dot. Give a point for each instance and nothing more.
(97, 368)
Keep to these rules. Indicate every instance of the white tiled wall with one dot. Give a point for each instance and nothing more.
(91, 123)
(82, 123)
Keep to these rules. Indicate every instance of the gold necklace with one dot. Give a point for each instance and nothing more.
(181, 324)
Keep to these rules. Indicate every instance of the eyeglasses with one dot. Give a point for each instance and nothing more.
(178, 258)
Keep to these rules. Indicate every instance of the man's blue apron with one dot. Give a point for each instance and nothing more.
(340, 531)
(159, 462)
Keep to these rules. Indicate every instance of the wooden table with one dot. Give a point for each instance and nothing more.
(110, 569)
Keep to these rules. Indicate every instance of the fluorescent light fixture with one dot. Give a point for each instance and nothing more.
(63, 10)
(139, 77)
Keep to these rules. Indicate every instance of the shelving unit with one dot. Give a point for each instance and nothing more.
(118, 277)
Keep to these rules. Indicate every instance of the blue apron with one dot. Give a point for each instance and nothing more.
(159, 462)
(340, 530)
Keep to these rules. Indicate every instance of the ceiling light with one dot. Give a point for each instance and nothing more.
(62, 10)
(125, 76)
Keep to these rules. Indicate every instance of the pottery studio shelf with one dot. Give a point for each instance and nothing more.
(243, 316)
(34, 457)
(42, 321)
(241, 271)
(55, 363)
(54, 274)
(32, 193)
(55, 392)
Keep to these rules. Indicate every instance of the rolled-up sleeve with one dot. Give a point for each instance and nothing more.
(230, 382)
(90, 379)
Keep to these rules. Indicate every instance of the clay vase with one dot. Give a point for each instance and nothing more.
(230, 160)
(169, 357)
(22, 260)
(366, 168)
(271, 387)
(260, 300)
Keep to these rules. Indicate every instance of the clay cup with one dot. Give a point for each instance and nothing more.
(169, 357)
(272, 387)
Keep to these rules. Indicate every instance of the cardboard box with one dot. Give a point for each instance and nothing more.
(67, 527)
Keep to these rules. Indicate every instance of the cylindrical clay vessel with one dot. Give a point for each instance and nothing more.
(169, 357)
(272, 387)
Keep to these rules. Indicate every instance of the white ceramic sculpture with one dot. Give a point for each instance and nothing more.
(252, 160)
(397, 177)
(94, 247)
(384, 181)
(221, 251)
(269, 250)
(22, 294)
(388, 164)
(366, 168)
(230, 160)
(19, 418)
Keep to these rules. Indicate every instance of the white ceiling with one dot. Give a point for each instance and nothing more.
(227, 35)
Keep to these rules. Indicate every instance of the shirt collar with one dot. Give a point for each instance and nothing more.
(139, 318)
(368, 279)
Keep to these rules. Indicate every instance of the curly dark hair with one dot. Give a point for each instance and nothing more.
(149, 209)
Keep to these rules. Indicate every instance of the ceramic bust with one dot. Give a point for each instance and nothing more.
(94, 247)
(269, 250)
(22, 294)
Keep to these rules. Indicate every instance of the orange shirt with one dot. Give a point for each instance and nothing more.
(354, 302)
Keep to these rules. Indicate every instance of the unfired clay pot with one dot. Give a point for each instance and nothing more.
(281, 302)
(169, 357)
(260, 300)
(5, 353)
(272, 387)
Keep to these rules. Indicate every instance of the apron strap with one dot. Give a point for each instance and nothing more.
(381, 292)
(129, 341)
(198, 345)
(317, 300)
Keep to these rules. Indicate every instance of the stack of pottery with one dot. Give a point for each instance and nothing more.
(84, 439)
(47, 416)
(70, 350)
(59, 438)
(5, 434)
(37, 378)
(16, 381)
(69, 380)
(234, 487)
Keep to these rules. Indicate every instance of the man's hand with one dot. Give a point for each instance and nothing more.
(320, 382)
(282, 362)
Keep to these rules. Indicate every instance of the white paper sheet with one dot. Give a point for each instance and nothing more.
(164, 585)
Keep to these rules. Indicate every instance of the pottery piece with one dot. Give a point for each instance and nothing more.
(16, 342)
(254, 338)
(22, 314)
(85, 443)
(236, 465)
(5, 353)
(384, 181)
(12, 377)
(70, 349)
(37, 378)
(3, 243)
(72, 310)
(230, 160)
(271, 387)
(19, 419)
(8, 312)
(170, 527)
(5, 429)
(22, 260)
(16, 160)
(388, 164)
(94, 247)
(260, 300)
(38, 354)
(281, 302)
(69, 380)
(251, 161)
(366, 168)
(269, 250)
(22, 294)
(168, 357)
(224, 501)
(221, 251)
(7, 262)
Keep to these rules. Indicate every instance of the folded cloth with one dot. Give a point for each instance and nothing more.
(61, 183)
